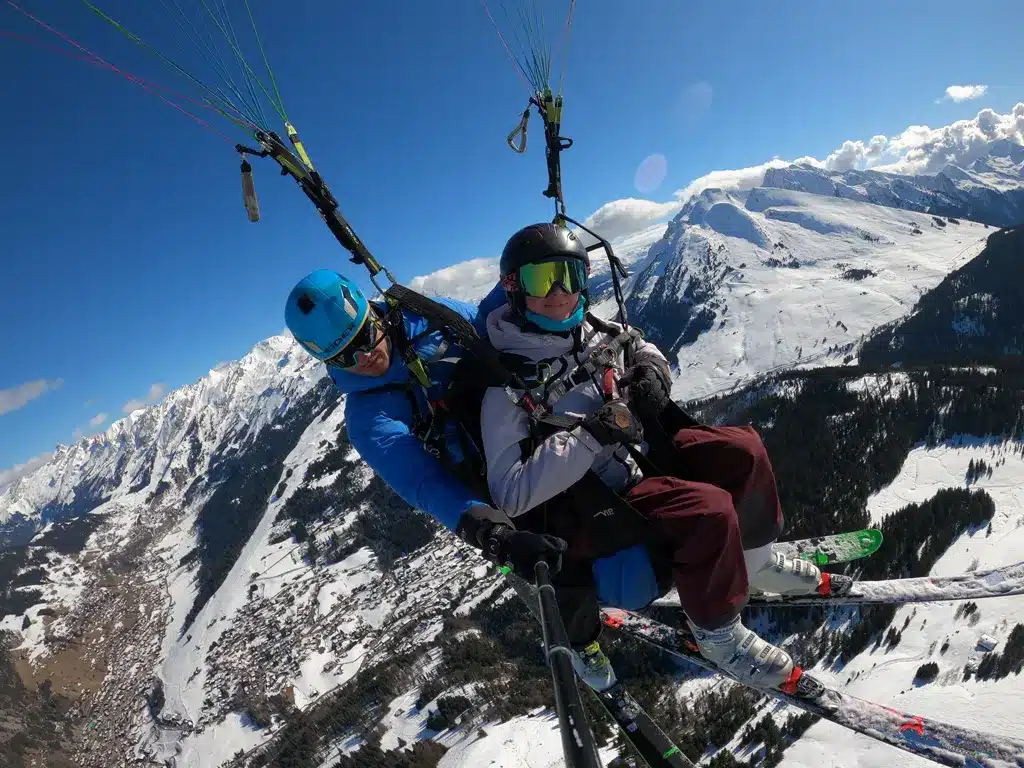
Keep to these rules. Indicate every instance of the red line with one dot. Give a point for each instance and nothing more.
(515, 62)
(99, 61)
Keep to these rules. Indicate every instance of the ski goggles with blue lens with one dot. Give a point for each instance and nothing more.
(362, 343)
(538, 279)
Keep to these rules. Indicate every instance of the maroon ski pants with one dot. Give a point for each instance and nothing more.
(720, 499)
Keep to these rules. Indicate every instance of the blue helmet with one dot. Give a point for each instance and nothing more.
(325, 311)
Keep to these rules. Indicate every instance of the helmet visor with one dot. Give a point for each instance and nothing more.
(364, 342)
(538, 279)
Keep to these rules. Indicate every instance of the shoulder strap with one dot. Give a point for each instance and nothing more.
(602, 357)
(479, 348)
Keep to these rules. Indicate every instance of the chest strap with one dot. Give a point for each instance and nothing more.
(550, 384)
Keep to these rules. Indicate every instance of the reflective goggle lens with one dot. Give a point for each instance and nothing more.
(538, 279)
(364, 341)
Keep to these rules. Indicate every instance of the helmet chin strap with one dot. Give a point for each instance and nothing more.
(558, 326)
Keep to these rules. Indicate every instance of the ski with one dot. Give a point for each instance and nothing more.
(640, 730)
(940, 742)
(996, 582)
(833, 548)
(637, 726)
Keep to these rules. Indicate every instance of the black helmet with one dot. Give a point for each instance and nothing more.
(537, 243)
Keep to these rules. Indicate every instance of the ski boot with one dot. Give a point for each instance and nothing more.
(780, 574)
(593, 667)
(747, 657)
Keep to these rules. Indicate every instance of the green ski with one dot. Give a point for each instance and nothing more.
(834, 548)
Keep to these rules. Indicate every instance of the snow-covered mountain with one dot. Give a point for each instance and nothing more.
(214, 561)
(171, 444)
(990, 190)
(798, 270)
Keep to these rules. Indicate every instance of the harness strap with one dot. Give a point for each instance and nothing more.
(554, 385)
(480, 349)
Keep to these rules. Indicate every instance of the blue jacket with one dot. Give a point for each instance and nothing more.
(379, 422)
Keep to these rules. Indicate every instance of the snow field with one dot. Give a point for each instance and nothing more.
(772, 316)
(995, 706)
(523, 742)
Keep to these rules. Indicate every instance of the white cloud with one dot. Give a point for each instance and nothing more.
(18, 397)
(963, 93)
(469, 281)
(852, 154)
(97, 420)
(624, 217)
(156, 391)
(920, 149)
(742, 178)
(8, 476)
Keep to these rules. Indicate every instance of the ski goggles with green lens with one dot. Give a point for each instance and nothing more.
(538, 279)
(362, 343)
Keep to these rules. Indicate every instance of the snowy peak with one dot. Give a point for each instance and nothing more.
(990, 191)
(1004, 149)
(1002, 166)
(799, 270)
(724, 213)
(142, 450)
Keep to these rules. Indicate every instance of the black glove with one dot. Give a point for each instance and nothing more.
(613, 423)
(650, 387)
(504, 546)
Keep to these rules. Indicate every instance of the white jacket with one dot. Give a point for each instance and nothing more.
(560, 461)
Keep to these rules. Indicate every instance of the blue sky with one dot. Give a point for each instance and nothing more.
(129, 267)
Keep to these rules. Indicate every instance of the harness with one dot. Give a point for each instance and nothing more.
(549, 385)
(606, 519)
(480, 367)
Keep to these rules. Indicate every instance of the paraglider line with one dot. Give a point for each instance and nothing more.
(515, 61)
(104, 65)
(565, 51)
(98, 61)
(188, 28)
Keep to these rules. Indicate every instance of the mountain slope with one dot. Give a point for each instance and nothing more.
(743, 284)
(168, 445)
(972, 317)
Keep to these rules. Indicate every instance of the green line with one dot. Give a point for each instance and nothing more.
(226, 17)
(136, 39)
(242, 61)
(530, 61)
(259, 42)
(565, 51)
(188, 28)
(671, 751)
(260, 117)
